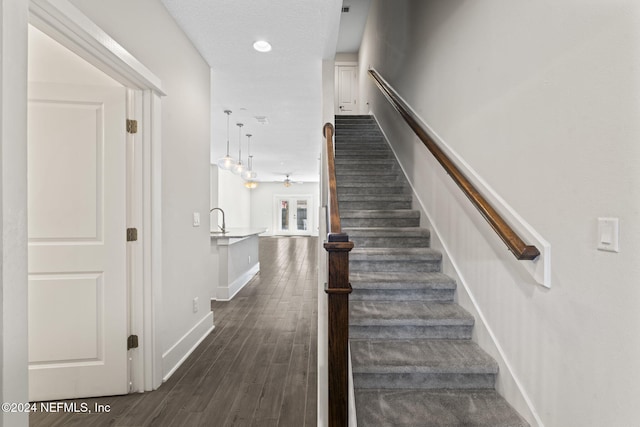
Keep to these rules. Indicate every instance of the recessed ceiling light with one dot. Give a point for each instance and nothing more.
(262, 46)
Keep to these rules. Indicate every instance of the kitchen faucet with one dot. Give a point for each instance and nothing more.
(223, 225)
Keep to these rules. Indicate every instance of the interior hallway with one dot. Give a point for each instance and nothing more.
(257, 368)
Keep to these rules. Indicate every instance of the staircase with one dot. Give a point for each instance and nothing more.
(414, 363)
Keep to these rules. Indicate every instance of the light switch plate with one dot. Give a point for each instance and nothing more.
(608, 235)
(196, 219)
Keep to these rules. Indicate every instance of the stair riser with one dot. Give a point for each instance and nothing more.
(433, 295)
(361, 177)
(393, 266)
(366, 135)
(356, 129)
(361, 145)
(358, 122)
(454, 332)
(380, 222)
(380, 200)
(423, 381)
(380, 190)
(373, 204)
(371, 167)
(363, 154)
(387, 242)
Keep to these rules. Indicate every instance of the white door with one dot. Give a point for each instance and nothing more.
(347, 89)
(293, 215)
(77, 241)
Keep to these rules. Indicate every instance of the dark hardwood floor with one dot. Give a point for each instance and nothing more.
(257, 368)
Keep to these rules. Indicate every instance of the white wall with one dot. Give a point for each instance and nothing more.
(263, 210)
(541, 98)
(328, 115)
(146, 30)
(13, 208)
(235, 199)
(51, 62)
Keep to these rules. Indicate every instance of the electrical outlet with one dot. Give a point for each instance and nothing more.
(195, 305)
(196, 219)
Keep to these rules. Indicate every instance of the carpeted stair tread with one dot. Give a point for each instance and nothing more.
(415, 313)
(400, 280)
(386, 254)
(380, 213)
(413, 360)
(401, 286)
(420, 356)
(386, 231)
(435, 408)
(380, 218)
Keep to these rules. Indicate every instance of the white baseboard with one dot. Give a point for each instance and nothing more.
(178, 353)
(226, 293)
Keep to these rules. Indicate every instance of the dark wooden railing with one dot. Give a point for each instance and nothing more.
(516, 245)
(338, 289)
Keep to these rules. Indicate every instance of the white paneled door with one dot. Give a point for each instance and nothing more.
(77, 241)
(347, 89)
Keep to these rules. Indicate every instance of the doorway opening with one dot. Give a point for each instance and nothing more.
(77, 258)
(100, 177)
(292, 215)
(346, 89)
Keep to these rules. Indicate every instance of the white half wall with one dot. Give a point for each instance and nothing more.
(540, 98)
(146, 30)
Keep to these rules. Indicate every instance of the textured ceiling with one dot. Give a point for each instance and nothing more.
(352, 25)
(284, 85)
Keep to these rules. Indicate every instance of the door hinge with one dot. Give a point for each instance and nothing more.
(132, 234)
(132, 126)
(132, 342)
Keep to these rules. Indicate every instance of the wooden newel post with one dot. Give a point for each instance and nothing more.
(338, 288)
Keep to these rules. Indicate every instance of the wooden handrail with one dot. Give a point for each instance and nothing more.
(338, 289)
(516, 245)
(334, 226)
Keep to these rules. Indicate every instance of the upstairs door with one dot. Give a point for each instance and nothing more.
(77, 241)
(347, 82)
(292, 215)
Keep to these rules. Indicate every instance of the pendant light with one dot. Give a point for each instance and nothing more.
(227, 162)
(238, 168)
(251, 184)
(248, 173)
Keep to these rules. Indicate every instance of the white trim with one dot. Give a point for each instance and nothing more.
(311, 225)
(435, 233)
(353, 415)
(69, 26)
(153, 225)
(226, 293)
(540, 268)
(345, 63)
(13, 209)
(182, 349)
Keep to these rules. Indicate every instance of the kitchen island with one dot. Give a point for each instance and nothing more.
(238, 259)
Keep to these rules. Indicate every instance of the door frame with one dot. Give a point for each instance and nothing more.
(63, 22)
(276, 211)
(336, 89)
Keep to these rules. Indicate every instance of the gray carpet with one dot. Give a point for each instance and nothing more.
(414, 363)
